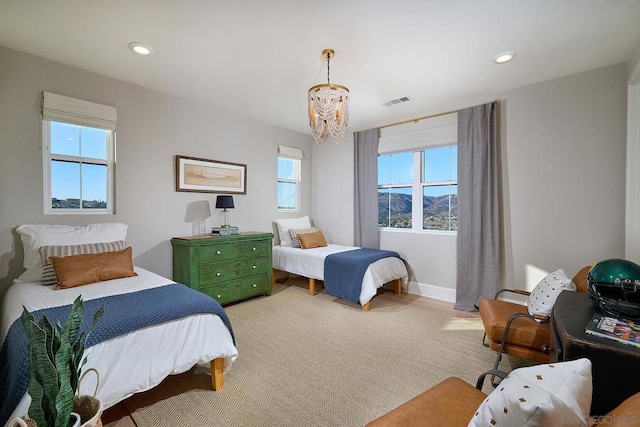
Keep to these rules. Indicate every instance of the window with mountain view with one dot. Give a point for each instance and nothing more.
(440, 188)
(426, 200)
(395, 186)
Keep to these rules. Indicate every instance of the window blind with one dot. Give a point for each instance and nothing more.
(84, 113)
(291, 152)
(433, 132)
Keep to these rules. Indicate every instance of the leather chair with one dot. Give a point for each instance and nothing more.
(510, 329)
(453, 403)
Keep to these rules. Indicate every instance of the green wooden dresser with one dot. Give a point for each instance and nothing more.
(227, 268)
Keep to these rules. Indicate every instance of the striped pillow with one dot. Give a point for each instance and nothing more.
(49, 275)
(295, 242)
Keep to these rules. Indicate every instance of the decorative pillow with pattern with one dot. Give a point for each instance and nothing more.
(544, 295)
(557, 394)
(78, 270)
(295, 241)
(49, 275)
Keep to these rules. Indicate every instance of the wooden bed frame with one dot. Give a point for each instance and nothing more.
(312, 286)
(217, 373)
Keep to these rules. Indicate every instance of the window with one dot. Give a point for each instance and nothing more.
(289, 170)
(434, 189)
(78, 156)
(395, 188)
(440, 188)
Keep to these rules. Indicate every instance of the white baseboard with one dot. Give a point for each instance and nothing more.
(444, 294)
(436, 292)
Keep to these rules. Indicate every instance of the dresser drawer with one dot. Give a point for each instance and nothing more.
(218, 272)
(235, 290)
(224, 251)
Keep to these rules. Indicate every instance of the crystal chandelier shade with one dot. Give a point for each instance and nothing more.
(328, 108)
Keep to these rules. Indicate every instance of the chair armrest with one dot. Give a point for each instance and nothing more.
(515, 291)
(493, 372)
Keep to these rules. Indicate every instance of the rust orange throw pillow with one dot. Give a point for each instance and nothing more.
(312, 240)
(78, 270)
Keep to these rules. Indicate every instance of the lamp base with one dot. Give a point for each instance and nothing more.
(199, 227)
(224, 219)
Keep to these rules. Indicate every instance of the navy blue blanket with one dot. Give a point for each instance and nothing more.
(123, 314)
(343, 271)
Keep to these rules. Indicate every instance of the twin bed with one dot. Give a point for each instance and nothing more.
(315, 263)
(129, 363)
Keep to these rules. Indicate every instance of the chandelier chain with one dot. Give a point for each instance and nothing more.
(328, 65)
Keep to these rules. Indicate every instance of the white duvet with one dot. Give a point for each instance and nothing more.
(310, 263)
(139, 360)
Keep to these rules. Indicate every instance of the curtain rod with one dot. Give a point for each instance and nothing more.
(417, 119)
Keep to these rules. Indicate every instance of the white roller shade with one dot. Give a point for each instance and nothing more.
(291, 152)
(427, 133)
(70, 110)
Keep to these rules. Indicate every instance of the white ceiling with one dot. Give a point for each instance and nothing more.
(259, 57)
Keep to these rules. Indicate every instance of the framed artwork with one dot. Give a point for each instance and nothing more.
(210, 176)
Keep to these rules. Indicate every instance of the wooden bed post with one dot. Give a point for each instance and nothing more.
(366, 307)
(399, 286)
(312, 286)
(217, 373)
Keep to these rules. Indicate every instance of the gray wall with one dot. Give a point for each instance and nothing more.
(563, 166)
(563, 154)
(152, 129)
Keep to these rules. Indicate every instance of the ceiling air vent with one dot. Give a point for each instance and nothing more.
(397, 101)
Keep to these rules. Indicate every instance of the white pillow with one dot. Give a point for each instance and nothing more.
(284, 225)
(37, 235)
(557, 394)
(544, 295)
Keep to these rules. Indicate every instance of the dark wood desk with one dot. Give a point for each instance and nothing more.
(615, 366)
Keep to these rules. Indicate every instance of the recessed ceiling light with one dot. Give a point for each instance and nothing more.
(503, 57)
(140, 48)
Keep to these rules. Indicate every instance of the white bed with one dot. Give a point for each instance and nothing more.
(310, 263)
(139, 360)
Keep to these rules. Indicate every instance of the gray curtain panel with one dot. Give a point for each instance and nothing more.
(478, 241)
(366, 191)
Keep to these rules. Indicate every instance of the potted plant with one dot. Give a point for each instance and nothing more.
(55, 362)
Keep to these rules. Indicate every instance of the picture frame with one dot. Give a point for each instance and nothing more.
(199, 175)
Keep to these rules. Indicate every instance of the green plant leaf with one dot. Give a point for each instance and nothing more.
(43, 384)
(56, 358)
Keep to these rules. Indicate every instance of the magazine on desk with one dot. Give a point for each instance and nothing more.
(621, 330)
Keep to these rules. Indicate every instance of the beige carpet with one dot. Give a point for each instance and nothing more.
(321, 361)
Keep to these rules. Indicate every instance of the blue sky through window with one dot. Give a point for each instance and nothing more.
(287, 191)
(66, 176)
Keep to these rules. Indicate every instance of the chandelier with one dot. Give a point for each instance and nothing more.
(328, 108)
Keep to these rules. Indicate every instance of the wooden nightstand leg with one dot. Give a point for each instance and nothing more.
(366, 307)
(399, 286)
(312, 286)
(217, 373)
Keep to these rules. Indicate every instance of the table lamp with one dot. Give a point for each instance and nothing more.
(224, 203)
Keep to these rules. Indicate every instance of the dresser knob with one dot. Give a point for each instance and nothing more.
(218, 274)
(254, 267)
(254, 285)
(254, 249)
(217, 252)
(219, 296)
